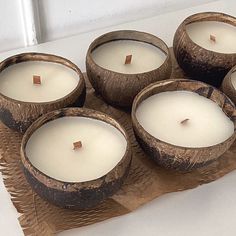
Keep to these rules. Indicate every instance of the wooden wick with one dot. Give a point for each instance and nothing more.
(36, 79)
(128, 59)
(213, 38)
(77, 145)
(183, 122)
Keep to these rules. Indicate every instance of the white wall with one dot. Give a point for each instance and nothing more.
(11, 35)
(62, 18)
(70, 17)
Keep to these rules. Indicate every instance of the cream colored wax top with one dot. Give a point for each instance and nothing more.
(145, 57)
(50, 149)
(16, 81)
(161, 116)
(225, 35)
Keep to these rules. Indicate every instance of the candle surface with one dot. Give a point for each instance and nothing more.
(112, 55)
(184, 118)
(50, 148)
(233, 79)
(57, 81)
(224, 34)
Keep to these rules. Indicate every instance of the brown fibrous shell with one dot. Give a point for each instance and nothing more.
(200, 63)
(227, 85)
(177, 157)
(119, 89)
(75, 195)
(19, 115)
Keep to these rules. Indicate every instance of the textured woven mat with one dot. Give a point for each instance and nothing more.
(145, 182)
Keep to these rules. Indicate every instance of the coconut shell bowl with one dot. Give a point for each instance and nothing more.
(200, 63)
(74, 194)
(229, 84)
(119, 89)
(19, 115)
(179, 157)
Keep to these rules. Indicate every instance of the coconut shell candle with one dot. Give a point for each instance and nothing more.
(32, 84)
(119, 64)
(204, 46)
(183, 124)
(229, 84)
(75, 157)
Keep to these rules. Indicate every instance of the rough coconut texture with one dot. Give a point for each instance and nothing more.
(75, 195)
(227, 85)
(200, 63)
(176, 157)
(19, 115)
(120, 89)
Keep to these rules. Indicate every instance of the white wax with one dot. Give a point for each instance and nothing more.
(224, 33)
(145, 57)
(16, 81)
(50, 149)
(161, 116)
(233, 79)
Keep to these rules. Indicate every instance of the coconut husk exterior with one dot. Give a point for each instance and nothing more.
(19, 115)
(75, 195)
(197, 62)
(176, 157)
(227, 85)
(119, 89)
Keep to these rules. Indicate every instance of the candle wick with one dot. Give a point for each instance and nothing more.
(36, 79)
(128, 59)
(77, 145)
(185, 121)
(213, 38)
